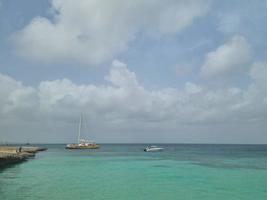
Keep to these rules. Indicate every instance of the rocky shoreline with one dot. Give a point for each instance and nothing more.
(15, 154)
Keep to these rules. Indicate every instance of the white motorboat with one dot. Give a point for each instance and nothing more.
(153, 148)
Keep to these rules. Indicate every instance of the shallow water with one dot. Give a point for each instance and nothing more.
(127, 172)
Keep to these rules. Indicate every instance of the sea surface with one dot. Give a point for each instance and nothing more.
(126, 172)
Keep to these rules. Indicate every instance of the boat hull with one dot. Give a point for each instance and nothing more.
(82, 147)
(153, 149)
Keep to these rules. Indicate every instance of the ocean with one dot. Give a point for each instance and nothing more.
(126, 172)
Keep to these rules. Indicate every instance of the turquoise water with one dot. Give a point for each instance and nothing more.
(125, 172)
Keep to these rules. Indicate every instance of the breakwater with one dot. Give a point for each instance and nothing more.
(16, 154)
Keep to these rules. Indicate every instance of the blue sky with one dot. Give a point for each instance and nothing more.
(137, 69)
(147, 52)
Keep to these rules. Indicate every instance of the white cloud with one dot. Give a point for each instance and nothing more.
(15, 98)
(120, 76)
(122, 103)
(192, 88)
(124, 99)
(227, 57)
(93, 31)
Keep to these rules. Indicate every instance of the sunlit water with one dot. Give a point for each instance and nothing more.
(126, 172)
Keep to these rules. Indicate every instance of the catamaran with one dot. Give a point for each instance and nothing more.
(82, 143)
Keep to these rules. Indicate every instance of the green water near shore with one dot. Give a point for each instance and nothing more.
(126, 172)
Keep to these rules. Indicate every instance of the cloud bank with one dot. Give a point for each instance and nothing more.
(92, 32)
(123, 103)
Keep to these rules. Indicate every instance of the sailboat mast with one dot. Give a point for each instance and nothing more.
(79, 133)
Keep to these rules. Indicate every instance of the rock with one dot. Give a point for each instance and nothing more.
(13, 154)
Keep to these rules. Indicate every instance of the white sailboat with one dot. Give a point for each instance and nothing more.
(82, 143)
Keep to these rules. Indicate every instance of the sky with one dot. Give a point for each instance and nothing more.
(173, 71)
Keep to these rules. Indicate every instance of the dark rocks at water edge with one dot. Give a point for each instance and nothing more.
(16, 154)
